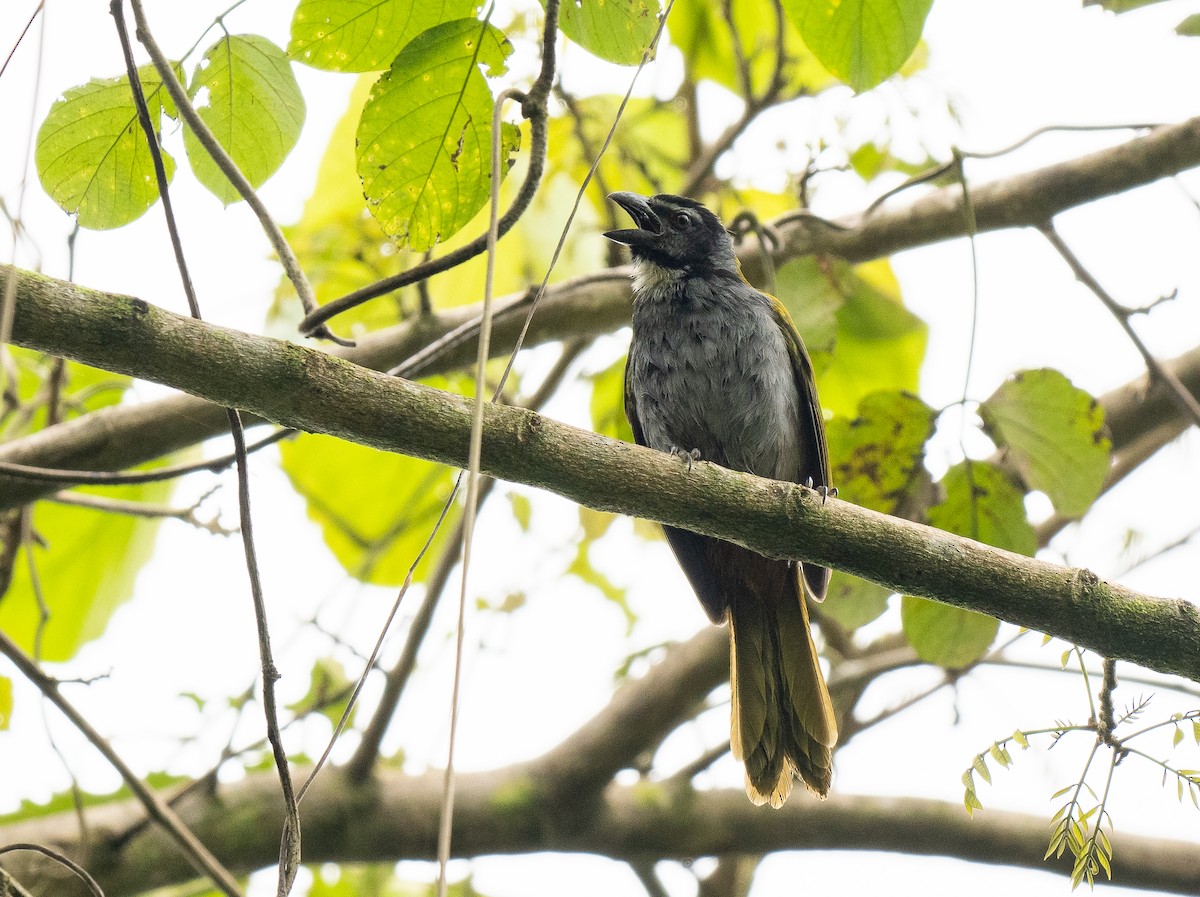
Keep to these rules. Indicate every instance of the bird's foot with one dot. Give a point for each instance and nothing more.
(691, 456)
(825, 491)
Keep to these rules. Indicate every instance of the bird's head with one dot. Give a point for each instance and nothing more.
(674, 232)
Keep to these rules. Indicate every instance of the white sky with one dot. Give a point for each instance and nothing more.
(1010, 66)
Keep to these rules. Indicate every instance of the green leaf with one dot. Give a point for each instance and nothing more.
(874, 456)
(984, 504)
(92, 157)
(1177, 737)
(981, 767)
(1119, 6)
(424, 140)
(880, 343)
(981, 503)
(1000, 755)
(947, 636)
(364, 35)
(375, 509)
(6, 702)
(1055, 434)
(328, 691)
(522, 509)
(852, 602)
(86, 559)
(1189, 27)
(607, 404)
(862, 42)
(813, 300)
(244, 90)
(617, 30)
(1019, 738)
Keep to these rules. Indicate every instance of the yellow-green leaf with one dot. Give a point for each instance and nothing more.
(6, 702)
(375, 509)
(874, 456)
(617, 30)
(880, 343)
(424, 140)
(984, 504)
(244, 90)
(1055, 434)
(852, 602)
(862, 42)
(947, 636)
(364, 35)
(92, 157)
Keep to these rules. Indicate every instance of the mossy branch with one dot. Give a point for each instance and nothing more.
(313, 391)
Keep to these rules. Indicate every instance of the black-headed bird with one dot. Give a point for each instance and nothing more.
(717, 371)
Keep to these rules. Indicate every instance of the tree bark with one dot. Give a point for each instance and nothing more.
(313, 391)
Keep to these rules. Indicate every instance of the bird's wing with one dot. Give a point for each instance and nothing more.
(691, 550)
(814, 455)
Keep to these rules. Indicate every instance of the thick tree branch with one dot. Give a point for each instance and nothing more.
(126, 436)
(1023, 200)
(393, 817)
(311, 390)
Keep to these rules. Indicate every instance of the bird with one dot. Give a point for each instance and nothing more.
(717, 372)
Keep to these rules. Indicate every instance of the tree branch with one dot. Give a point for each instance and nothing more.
(317, 392)
(121, 437)
(393, 816)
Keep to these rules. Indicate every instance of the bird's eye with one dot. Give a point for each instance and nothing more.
(683, 221)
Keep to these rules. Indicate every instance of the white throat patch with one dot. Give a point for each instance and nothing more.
(649, 276)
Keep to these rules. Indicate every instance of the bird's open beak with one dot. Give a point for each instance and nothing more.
(648, 224)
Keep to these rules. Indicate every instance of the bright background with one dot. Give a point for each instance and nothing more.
(1008, 67)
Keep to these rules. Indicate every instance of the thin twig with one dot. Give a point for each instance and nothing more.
(1184, 400)
(587, 179)
(367, 752)
(141, 509)
(191, 846)
(20, 37)
(471, 506)
(222, 159)
(8, 304)
(533, 108)
(700, 170)
(289, 845)
(122, 478)
(289, 848)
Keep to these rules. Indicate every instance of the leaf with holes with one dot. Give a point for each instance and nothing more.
(874, 456)
(862, 42)
(244, 90)
(617, 30)
(1055, 434)
(364, 35)
(424, 140)
(92, 156)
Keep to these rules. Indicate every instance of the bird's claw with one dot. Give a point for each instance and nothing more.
(691, 456)
(825, 491)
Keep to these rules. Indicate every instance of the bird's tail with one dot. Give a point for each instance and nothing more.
(783, 723)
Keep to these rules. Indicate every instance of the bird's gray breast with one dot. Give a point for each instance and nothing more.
(709, 369)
